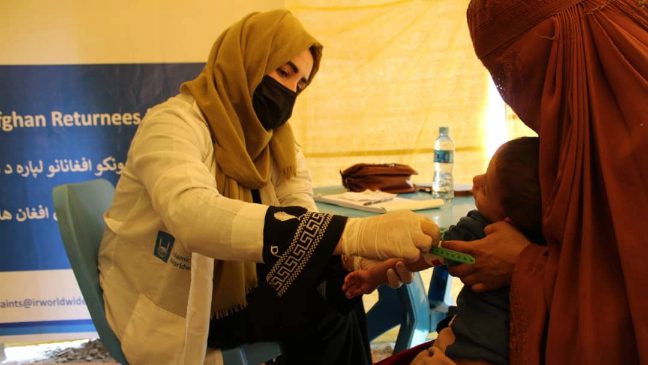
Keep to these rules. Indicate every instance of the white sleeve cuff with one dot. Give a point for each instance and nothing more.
(247, 232)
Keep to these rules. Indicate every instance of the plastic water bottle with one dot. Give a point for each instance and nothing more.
(442, 183)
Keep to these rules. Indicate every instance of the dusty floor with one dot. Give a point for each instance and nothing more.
(68, 352)
(92, 352)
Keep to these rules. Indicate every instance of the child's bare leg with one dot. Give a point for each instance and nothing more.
(432, 356)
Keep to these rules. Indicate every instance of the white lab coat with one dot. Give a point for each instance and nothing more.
(160, 309)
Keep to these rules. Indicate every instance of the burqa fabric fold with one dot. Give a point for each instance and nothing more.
(576, 72)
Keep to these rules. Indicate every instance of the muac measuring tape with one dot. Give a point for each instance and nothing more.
(453, 255)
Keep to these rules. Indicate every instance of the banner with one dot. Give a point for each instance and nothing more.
(61, 124)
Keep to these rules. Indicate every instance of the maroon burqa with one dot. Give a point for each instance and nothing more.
(576, 72)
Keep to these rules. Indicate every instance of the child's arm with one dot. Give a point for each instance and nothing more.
(366, 280)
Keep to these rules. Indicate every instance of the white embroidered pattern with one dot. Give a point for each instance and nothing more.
(310, 231)
(283, 216)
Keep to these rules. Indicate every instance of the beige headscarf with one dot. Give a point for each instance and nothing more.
(240, 57)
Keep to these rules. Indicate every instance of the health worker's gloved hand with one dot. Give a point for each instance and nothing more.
(400, 234)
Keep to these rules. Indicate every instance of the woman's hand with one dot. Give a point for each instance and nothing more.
(495, 257)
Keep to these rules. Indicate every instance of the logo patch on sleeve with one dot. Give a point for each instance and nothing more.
(163, 246)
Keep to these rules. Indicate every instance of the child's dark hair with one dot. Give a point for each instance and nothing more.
(517, 173)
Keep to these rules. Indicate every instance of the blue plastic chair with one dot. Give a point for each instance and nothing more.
(411, 309)
(406, 306)
(438, 293)
(79, 210)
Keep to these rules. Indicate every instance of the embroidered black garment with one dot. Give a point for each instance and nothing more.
(288, 307)
(298, 260)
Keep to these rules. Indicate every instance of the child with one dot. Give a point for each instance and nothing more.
(509, 191)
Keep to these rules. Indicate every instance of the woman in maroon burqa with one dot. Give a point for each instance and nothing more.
(576, 72)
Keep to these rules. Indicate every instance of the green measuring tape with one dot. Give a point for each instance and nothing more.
(453, 255)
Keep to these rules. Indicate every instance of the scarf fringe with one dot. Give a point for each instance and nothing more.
(222, 313)
(226, 312)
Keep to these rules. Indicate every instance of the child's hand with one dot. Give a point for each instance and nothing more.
(369, 274)
(357, 283)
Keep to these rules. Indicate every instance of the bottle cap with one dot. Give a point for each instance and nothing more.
(444, 130)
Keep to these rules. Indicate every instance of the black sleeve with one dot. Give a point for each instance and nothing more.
(469, 228)
(297, 247)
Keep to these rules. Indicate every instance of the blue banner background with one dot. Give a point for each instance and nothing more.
(35, 244)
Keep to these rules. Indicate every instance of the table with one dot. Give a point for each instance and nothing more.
(410, 306)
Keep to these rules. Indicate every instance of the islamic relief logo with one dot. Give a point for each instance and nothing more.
(163, 246)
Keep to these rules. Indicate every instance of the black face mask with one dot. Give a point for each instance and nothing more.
(273, 103)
